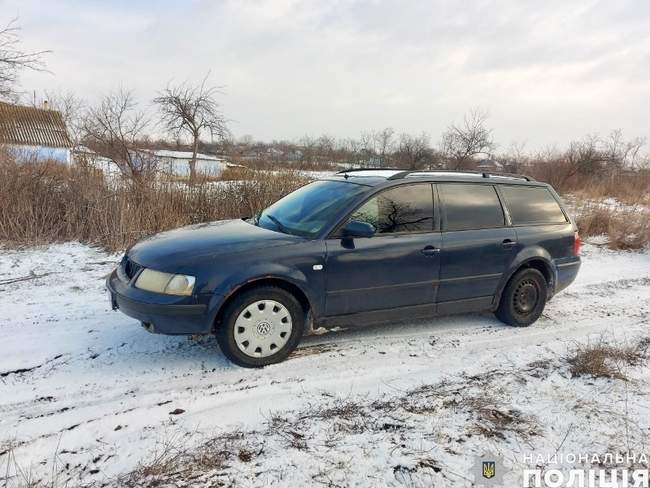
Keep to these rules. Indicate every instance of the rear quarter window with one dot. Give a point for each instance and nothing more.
(470, 206)
(532, 205)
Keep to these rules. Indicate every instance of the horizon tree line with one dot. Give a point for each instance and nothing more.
(116, 127)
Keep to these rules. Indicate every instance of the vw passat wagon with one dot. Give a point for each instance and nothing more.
(361, 246)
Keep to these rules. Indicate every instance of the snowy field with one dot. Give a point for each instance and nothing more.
(87, 396)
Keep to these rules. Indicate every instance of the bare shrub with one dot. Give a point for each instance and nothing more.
(625, 230)
(115, 129)
(629, 187)
(630, 232)
(603, 360)
(42, 203)
(594, 221)
(235, 173)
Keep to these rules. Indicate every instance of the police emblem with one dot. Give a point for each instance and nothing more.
(489, 468)
(488, 471)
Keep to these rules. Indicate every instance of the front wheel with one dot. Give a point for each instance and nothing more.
(523, 299)
(260, 326)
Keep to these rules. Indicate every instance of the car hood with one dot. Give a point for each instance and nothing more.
(180, 247)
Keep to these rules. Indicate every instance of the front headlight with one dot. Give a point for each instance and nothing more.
(167, 283)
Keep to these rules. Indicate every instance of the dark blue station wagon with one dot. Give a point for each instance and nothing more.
(361, 246)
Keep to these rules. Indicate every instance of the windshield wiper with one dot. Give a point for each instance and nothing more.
(283, 228)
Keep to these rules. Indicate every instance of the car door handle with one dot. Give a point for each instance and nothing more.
(508, 243)
(430, 251)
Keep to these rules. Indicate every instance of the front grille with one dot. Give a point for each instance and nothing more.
(131, 268)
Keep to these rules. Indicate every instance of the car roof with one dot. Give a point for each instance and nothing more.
(375, 177)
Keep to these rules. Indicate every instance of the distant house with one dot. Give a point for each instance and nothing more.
(171, 163)
(371, 161)
(295, 155)
(83, 155)
(489, 164)
(177, 163)
(34, 134)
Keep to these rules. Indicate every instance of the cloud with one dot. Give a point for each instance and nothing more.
(546, 71)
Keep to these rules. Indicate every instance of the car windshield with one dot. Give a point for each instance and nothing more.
(306, 211)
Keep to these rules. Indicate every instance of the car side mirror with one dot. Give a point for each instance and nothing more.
(356, 228)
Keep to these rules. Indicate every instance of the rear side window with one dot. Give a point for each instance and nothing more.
(530, 205)
(470, 206)
(402, 209)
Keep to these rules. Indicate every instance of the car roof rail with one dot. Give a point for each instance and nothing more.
(483, 174)
(402, 173)
(351, 170)
(345, 172)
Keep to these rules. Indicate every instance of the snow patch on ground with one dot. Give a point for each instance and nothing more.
(88, 393)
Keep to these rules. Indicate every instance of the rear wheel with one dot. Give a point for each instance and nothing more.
(523, 299)
(261, 326)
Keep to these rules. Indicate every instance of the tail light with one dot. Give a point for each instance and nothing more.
(576, 243)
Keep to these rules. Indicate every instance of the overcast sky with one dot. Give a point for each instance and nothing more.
(546, 71)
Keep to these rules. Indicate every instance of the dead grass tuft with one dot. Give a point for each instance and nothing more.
(495, 420)
(625, 230)
(630, 232)
(604, 360)
(174, 462)
(594, 221)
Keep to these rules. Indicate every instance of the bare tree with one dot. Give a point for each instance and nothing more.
(384, 144)
(351, 149)
(414, 152)
(13, 59)
(115, 129)
(461, 142)
(515, 158)
(309, 148)
(192, 110)
(325, 145)
(72, 109)
(620, 152)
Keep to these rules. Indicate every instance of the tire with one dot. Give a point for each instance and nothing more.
(260, 326)
(523, 299)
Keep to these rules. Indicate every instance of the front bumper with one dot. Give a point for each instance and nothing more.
(162, 314)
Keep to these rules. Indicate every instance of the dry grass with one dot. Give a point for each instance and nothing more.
(603, 360)
(594, 221)
(494, 420)
(627, 187)
(173, 461)
(491, 417)
(625, 230)
(630, 232)
(236, 173)
(46, 202)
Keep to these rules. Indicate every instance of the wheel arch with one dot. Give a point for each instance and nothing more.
(275, 281)
(538, 262)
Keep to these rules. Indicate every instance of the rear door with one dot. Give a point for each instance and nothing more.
(477, 246)
(398, 266)
(538, 220)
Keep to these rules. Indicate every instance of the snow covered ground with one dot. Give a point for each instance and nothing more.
(86, 395)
